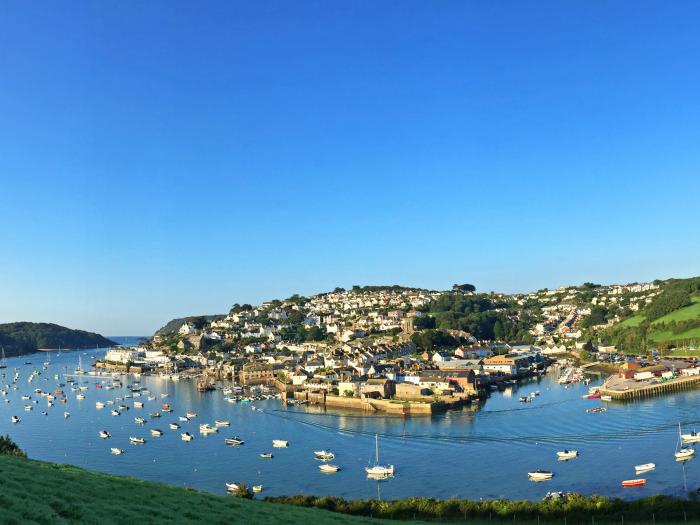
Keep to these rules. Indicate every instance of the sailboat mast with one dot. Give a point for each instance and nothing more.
(376, 446)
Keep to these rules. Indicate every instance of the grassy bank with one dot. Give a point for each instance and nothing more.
(33, 492)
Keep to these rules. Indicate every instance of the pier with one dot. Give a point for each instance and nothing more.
(629, 389)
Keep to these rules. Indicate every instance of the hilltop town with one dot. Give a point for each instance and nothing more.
(383, 347)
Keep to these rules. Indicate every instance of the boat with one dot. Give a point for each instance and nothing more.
(139, 421)
(116, 451)
(606, 398)
(595, 395)
(266, 455)
(156, 432)
(191, 415)
(137, 440)
(155, 414)
(138, 404)
(596, 410)
(280, 443)
(684, 453)
(99, 404)
(116, 413)
(692, 437)
(183, 419)
(324, 455)
(234, 441)
(206, 428)
(187, 436)
(232, 487)
(15, 419)
(257, 488)
(222, 423)
(540, 475)
(646, 467)
(379, 471)
(567, 454)
(105, 435)
(634, 482)
(66, 415)
(174, 426)
(328, 468)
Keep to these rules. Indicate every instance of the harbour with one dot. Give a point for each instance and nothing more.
(482, 450)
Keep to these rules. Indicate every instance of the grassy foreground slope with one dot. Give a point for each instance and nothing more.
(46, 493)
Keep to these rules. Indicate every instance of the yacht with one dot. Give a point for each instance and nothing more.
(280, 443)
(684, 454)
(99, 404)
(174, 426)
(379, 471)
(156, 432)
(540, 475)
(324, 455)
(139, 421)
(206, 428)
(222, 423)
(234, 441)
(266, 455)
(692, 437)
(328, 468)
(137, 440)
(191, 415)
(187, 436)
(646, 467)
(116, 451)
(138, 404)
(567, 454)
(105, 435)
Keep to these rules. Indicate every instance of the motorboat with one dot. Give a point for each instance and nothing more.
(692, 437)
(257, 488)
(138, 404)
(156, 432)
(155, 414)
(80, 397)
(105, 435)
(66, 415)
(280, 443)
(174, 426)
(646, 467)
(187, 436)
(206, 428)
(116, 413)
(15, 419)
(99, 404)
(139, 421)
(184, 419)
(540, 475)
(266, 455)
(116, 451)
(606, 398)
(232, 487)
(567, 454)
(634, 482)
(137, 440)
(324, 455)
(328, 468)
(234, 441)
(191, 415)
(222, 423)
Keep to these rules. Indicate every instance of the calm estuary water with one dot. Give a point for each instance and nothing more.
(471, 453)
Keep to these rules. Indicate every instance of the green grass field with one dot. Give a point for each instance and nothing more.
(635, 320)
(667, 335)
(691, 311)
(35, 492)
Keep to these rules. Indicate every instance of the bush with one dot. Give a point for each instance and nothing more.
(10, 448)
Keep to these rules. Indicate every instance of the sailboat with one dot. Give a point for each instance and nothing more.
(2, 359)
(79, 370)
(379, 471)
(685, 453)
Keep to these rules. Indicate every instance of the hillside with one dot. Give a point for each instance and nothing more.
(38, 492)
(175, 324)
(24, 338)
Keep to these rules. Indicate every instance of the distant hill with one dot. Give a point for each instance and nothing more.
(197, 320)
(24, 338)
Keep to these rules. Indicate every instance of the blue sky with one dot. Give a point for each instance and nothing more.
(159, 159)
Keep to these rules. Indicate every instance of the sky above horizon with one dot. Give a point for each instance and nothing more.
(158, 159)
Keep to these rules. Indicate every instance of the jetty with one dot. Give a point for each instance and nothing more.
(629, 389)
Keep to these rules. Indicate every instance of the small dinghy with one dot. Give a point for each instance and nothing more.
(646, 467)
(540, 475)
(565, 455)
(105, 435)
(634, 482)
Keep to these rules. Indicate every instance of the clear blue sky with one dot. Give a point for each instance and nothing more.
(159, 159)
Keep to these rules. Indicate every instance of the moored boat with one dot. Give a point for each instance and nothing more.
(328, 468)
(234, 441)
(634, 482)
(646, 467)
(257, 488)
(105, 435)
(324, 455)
(137, 440)
(540, 475)
(186, 436)
(567, 454)
(280, 443)
(174, 426)
(116, 451)
(156, 432)
(266, 455)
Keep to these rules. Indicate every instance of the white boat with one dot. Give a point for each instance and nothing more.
(116, 413)
(567, 454)
(379, 471)
(206, 428)
(222, 423)
(116, 451)
(15, 419)
(137, 440)
(692, 437)
(646, 467)
(540, 475)
(80, 397)
(257, 488)
(138, 404)
(187, 436)
(324, 455)
(234, 441)
(174, 426)
(266, 455)
(28, 408)
(328, 468)
(191, 415)
(66, 415)
(105, 435)
(139, 421)
(280, 443)
(99, 404)
(184, 419)
(606, 398)
(156, 432)
(685, 453)
(232, 487)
